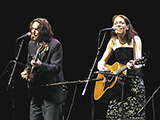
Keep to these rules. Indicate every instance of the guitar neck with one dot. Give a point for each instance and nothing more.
(120, 70)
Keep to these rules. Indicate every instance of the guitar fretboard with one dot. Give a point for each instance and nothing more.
(120, 70)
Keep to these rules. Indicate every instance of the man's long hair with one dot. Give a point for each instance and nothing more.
(45, 29)
(130, 33)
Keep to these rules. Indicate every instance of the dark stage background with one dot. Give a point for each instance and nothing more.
(76, 24)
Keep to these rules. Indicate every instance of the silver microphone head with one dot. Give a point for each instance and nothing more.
(29, 33)
(114, 28)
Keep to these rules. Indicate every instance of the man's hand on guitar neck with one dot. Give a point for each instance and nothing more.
(37, 63)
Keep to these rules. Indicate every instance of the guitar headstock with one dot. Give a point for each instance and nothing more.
(142, 60)
(43, 47)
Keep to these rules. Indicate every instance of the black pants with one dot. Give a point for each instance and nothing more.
(41, 109)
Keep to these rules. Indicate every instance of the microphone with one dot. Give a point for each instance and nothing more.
(25, 35)
(111, 28)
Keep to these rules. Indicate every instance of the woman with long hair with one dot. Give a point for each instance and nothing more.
(127, 47)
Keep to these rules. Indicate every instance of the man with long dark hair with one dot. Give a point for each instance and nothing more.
(44, 66)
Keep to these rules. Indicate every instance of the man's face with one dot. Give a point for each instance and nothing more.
(35, 30)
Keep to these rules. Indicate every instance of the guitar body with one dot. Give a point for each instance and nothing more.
(103, 91)
(43, 47)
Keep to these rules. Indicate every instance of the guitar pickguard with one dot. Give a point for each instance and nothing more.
(108, 82)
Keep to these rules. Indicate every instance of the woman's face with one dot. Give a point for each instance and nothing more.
(120, 24)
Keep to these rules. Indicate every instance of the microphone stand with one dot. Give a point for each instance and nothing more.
(152, 97)
(91, 71)
(11, 80)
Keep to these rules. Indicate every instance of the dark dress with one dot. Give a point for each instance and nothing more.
(134, 91)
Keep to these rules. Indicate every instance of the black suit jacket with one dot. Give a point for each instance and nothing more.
(49, 72)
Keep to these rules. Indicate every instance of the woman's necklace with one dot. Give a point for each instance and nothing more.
(122, 42)
(121, 39)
